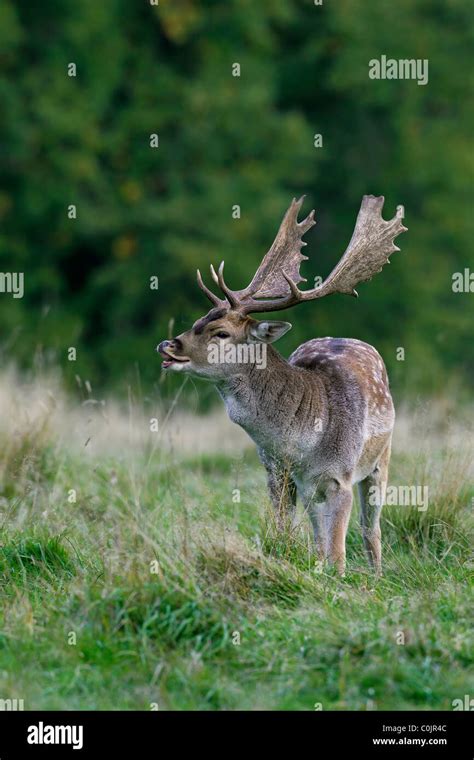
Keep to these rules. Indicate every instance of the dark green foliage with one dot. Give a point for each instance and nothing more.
(227, 140)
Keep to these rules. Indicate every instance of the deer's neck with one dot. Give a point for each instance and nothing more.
(275, 403)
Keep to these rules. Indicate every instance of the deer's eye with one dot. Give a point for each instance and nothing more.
(222, 335)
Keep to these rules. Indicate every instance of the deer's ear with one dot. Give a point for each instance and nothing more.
(268, 332)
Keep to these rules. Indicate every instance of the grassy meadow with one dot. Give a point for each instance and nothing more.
(132, 576)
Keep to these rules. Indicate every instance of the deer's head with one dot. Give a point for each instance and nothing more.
(208, 348)
(219, 344)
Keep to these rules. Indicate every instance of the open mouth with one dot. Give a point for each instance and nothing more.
(168, 359)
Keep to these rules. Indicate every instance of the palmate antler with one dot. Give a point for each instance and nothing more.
(275, 284)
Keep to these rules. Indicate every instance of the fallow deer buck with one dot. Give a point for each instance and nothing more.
(322, 420)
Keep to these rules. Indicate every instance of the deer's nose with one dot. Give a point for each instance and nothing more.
(162, 346)
(174, 345)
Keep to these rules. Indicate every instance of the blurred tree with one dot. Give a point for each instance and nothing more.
(227, 141)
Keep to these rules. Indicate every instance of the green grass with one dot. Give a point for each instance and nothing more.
(154, 586)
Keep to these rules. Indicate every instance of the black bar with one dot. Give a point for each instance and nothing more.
(136, 734)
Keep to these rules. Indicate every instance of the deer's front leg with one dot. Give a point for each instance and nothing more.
(282, 490)
(330, 520)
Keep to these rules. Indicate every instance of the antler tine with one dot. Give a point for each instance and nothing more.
(218, 278)
(214, 275)
(306, 224)
(229, 294)
(212, 297)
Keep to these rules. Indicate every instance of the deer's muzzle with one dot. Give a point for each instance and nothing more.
(167, 348)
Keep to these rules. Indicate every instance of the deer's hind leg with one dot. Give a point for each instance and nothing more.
(372, 492)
